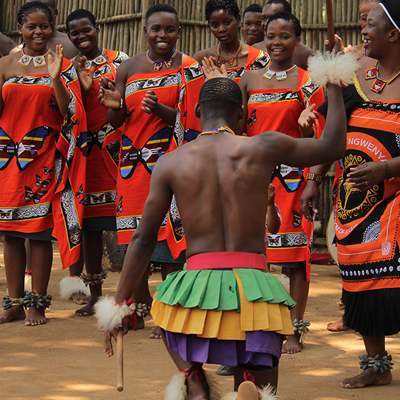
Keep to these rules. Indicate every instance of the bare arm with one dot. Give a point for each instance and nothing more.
(273, 214)
(110, 96)
(311, 193)
(150, 105)
(2, 66)
(54, 68)
(307, 152)
(243, 87)
(306, 121)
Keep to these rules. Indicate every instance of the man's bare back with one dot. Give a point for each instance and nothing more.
(220, 180)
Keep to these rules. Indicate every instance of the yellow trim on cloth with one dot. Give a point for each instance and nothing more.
(224, 325)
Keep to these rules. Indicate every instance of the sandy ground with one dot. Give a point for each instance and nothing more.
(64, 359)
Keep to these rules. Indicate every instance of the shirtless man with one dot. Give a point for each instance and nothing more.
(56, 37)
(221, 188)
(302, 52)
(6, 44)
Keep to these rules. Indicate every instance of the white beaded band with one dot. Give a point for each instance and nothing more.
(389, 16)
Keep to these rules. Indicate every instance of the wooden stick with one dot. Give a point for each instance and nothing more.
(120, 361)
(329, 20)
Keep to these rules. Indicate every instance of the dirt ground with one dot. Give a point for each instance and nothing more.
(64, 359)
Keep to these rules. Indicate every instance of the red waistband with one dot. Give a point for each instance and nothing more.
(226, 260)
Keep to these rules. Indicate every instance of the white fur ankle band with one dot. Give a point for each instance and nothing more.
(71, 285)
(337, 69)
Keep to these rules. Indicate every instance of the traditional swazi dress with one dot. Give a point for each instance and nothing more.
(366, 223)
(279, 110)
(145, 138)
(256, 59)
(40, 169)
(224, 308)
(102, 164)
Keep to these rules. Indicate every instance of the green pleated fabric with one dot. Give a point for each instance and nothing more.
(218, 289)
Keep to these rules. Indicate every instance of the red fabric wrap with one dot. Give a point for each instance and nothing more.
(279, 110)
(39, 185)
(225, 260)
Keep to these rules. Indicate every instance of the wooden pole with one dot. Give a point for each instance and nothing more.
(120, 361)
(329, 20)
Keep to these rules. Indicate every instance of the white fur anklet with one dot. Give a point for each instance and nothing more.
(72, 284)
(336, 68)
(177, 388)
(266, 393)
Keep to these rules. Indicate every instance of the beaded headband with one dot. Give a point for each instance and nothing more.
(389, 16)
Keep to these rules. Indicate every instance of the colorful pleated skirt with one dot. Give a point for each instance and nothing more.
(224, 308)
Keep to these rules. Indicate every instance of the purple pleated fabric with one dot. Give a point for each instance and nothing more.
(258, 349)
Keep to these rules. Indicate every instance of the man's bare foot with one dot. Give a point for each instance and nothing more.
(35, 317)
(12, 314)
(337, 326)
(247, 391)
(88, 309)
(156, 333)
(197, 390)
(80, 298)
(367, 378)
(139, 323)
(292, 344)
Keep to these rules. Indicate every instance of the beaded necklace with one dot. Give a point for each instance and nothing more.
(38, 61)
(379, 84)
(219, 130)
(232, 62)
(280, 75)
(99, 60)
(157, 65)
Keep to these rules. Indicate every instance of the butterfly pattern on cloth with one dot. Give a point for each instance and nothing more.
(25, 151)
(87, 140)
(30, 195)
(118, 207)
(253, 119)
(274, 240)
(154, 148)
(6, 214)
(296, 218)
(291, 178)
(79, 193)
(97, 198)
(41, 182)
(47, 170)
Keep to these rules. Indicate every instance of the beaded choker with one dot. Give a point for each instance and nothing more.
(215, 131)
(379, 84)
(232, 62)
(280, 75)
(38, 61)
(157, 65)
(99, 60)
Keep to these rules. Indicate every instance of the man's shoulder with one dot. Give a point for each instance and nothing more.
(301, 54)
(210, 52)
(259, 46)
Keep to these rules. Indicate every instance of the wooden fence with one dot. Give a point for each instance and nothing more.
(121, 23)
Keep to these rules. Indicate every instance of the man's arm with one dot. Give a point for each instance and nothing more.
(307, 152)
(6, 44)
